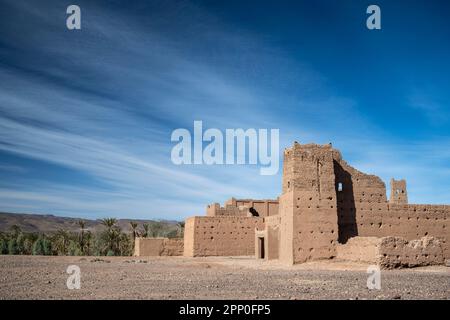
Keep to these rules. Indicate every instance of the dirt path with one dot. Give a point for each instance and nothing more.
(33, 277)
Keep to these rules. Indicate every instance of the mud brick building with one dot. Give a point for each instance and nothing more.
(327, 209)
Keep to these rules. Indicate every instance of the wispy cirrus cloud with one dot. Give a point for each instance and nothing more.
(103, 102)
(122, 146)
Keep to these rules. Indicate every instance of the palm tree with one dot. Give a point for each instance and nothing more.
(134, 226)
(112, 233)
(156, 228)
(109, 223)
(180, 229)
(15, 230)
(88, 243)
(146, 227)
(62, 239)
(125, 246)
(82, 225)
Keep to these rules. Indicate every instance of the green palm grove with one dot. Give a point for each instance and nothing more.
(111, 240)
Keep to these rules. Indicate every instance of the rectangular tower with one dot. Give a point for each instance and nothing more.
(308, 211)
(398, 192)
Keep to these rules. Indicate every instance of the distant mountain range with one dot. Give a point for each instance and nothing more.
(51, 223)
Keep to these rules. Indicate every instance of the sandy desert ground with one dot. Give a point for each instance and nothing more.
(34, 277)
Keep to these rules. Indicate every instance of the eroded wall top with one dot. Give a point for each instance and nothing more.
(244, 208)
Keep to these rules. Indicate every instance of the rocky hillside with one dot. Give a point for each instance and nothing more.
(51, 223)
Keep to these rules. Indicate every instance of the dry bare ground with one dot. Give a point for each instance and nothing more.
(35, 277)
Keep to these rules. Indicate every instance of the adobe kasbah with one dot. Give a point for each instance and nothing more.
(327, 210)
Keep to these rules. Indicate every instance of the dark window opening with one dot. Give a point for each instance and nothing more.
(253, 212)
(261, 248)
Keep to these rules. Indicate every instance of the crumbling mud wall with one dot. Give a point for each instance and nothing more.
(363, 209)
(326, 201)
(360, 249)
(414, 221)
(243, 208)
(221, 236)
(392, 252)
(397, 252)
(359, 197)
(309, 228)
(158, 247)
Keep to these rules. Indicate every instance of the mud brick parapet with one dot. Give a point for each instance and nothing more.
(243, 208)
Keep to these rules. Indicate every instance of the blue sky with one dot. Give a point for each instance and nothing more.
(86, 116)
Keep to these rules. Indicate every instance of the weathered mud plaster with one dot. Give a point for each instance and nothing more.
(392, 252)
(325, 203)
(158, 247)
